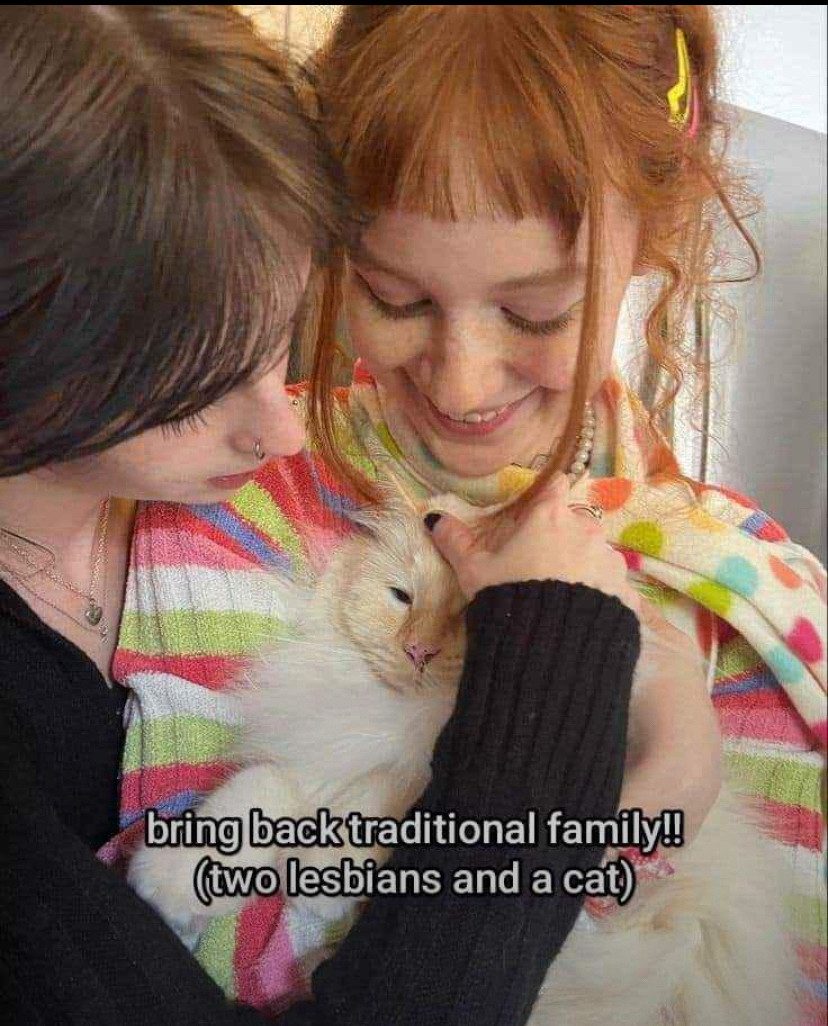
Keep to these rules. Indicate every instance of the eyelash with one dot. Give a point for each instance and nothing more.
(552, 327)
(402, 313)
(180, 427)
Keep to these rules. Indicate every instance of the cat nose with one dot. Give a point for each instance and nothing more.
(420, 655)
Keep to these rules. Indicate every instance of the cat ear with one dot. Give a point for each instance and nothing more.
(366, 519)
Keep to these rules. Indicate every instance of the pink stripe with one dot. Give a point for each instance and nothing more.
(174, 548)
(195, 538)
(766, 725)
(812, 959)
(213, 672)
(149, 787)
(793, 825)
(268, 975)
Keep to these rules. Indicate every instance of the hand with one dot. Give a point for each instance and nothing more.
(544, 541)
(675, 756)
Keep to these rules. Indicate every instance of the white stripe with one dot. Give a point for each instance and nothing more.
(161, 695)
(175, 589)
(772, 750)
(807, 870)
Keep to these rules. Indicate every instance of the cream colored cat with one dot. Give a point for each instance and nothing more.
(343, 714)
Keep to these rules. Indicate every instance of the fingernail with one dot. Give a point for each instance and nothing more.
(432, 520)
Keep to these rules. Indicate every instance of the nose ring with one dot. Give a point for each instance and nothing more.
(258, 451)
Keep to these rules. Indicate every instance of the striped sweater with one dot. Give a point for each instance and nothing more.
(198, 605)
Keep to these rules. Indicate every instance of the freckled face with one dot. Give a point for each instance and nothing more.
(473, 328)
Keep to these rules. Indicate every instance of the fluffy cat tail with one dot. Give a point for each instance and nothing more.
(709, 946)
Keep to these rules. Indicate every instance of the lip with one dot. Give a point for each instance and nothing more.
(234, 481)
(455, 429)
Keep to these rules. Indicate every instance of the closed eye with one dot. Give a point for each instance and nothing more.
(395, 313)
(402, 596)
(551, 327)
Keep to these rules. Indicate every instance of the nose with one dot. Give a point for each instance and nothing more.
(286, 428)
(465, 367)
(272, 419)
(421, 655)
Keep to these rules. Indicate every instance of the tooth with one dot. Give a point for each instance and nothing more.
(474, 418)
(489, 417)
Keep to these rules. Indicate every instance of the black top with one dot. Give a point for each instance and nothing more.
(540, 722)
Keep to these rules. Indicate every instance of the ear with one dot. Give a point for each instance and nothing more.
(366, 519)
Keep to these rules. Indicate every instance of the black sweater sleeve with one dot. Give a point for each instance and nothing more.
(540, 722)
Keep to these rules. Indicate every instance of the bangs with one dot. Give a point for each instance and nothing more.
(486, 132)
(163, 268)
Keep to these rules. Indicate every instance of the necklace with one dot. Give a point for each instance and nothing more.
(94, 613)
(583, 454)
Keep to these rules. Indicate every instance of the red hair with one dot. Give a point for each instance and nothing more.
(555, 104)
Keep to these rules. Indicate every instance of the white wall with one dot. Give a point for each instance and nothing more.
(775, 60)
(772, 417)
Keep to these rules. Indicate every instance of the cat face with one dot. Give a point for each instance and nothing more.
(397, 600)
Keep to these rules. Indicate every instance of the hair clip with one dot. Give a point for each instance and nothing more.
(683, 97)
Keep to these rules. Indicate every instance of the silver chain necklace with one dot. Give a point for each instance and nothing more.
(93, 617)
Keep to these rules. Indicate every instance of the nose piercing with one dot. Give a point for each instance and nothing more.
(258, 451)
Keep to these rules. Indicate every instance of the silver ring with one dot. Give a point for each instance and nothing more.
(588, 507)
(258, 451)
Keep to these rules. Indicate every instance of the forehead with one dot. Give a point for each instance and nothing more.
(486, 251)
(483, 248)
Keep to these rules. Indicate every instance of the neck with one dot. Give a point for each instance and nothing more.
(49, 510)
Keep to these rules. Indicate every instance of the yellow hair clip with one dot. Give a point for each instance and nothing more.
(682, 97)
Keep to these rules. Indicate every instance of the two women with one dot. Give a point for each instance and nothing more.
(512, 169)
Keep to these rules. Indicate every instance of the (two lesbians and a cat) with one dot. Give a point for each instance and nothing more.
(343, 713)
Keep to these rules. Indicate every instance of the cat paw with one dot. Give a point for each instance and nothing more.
(332, 911)
(165, 879)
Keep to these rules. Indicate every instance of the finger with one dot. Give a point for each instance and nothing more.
(588, 523)
(453, 539)
(552, 495)
(650, 616)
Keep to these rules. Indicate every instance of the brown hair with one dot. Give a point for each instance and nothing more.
(556, 103)
(158, 172)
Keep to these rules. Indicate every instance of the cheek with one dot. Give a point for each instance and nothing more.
(552, 363)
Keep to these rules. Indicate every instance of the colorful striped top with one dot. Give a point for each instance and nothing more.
(198, 605)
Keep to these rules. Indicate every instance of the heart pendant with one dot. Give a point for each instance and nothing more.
(94, 614)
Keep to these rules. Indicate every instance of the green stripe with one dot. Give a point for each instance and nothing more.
(737, 657)
(173, 739)
(780, 779)
(257, 506)
(658, 594)
(216, 952)
(809, 916)
(186, 632)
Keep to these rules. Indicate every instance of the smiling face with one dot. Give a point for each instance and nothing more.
(473, 328)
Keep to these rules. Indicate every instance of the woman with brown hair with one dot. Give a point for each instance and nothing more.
(163, 198)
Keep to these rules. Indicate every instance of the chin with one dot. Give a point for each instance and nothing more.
(468, 460)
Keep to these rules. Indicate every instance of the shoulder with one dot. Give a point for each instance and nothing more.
(25, 652)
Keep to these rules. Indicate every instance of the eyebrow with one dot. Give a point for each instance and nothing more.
(569, 274)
